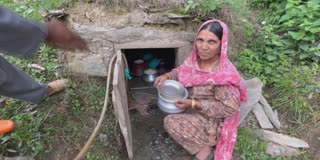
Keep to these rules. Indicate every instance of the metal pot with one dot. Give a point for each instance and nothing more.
(171, 89)
(168, 106)
(149, 75)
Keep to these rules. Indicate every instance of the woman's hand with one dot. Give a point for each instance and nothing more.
(160, 79)
(184, 104)
(187, 103)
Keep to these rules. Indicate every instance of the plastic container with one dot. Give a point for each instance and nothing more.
(138, 67)
(154, 63)
(6, 126)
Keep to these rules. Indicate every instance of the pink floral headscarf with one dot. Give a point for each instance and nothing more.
(189, 74)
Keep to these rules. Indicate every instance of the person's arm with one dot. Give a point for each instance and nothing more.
(173, 75)
(20, 36)
(223, 105)
(170, 75)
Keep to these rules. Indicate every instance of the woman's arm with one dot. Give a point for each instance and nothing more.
(173, 75)
(223, 104)
(170, 75)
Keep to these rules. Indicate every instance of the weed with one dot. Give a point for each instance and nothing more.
(28, 136)
(201, 8)
(282, 54)
(60, 119)
(250, 146)
(66, 118)
(149, 3)
(31, 8)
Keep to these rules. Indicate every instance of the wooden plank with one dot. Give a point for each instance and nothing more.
(162, 43)
(261, 117)
(120, 100)
(281, 139)
(273, 116)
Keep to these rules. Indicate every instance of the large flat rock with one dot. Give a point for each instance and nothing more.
(279, 150)
(261, 117)
(254, 87)
(272, 115)
(92, 65)
(281, 139)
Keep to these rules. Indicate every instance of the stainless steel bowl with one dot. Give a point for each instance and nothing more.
(167, 104)
(171, 90)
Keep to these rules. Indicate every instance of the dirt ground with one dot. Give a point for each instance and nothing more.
(312, 135)
(150, 140)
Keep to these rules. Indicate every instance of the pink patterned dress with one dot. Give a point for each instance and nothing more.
(195, 129)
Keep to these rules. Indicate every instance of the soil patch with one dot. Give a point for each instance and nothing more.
(150, 140)
(311, 133)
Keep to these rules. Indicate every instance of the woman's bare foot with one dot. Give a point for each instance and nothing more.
(204, 153)
(184, 157)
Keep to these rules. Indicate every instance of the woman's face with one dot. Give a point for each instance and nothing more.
(208, 45)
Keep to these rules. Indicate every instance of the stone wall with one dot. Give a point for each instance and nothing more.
(104, 42)
(107, 29)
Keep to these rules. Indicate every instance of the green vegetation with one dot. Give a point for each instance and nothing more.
(283, 56)
(65, 119)
(31, 8)
(201, 8)
(280, 50)
(46, 56)
(250, 147)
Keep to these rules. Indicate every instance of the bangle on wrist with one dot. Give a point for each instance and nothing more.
(169, 77)
(193, 103)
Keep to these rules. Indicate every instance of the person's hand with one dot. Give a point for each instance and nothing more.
(60, 36)
(184, 104)
(160, 79)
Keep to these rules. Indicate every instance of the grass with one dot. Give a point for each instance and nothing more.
(31, 8)
(295, 93)
(46, 56)
(65, 119)
(68, 118)
(151, 3)
(292, 82)
(250, 147)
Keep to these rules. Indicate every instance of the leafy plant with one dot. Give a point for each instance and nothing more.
(250, 146)
(62, 118)
(282, 54)
(201, 8)
(31, 8)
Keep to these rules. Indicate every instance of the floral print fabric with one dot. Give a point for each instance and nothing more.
(195, 129)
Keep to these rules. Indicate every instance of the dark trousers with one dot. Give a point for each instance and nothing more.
(14, 83)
